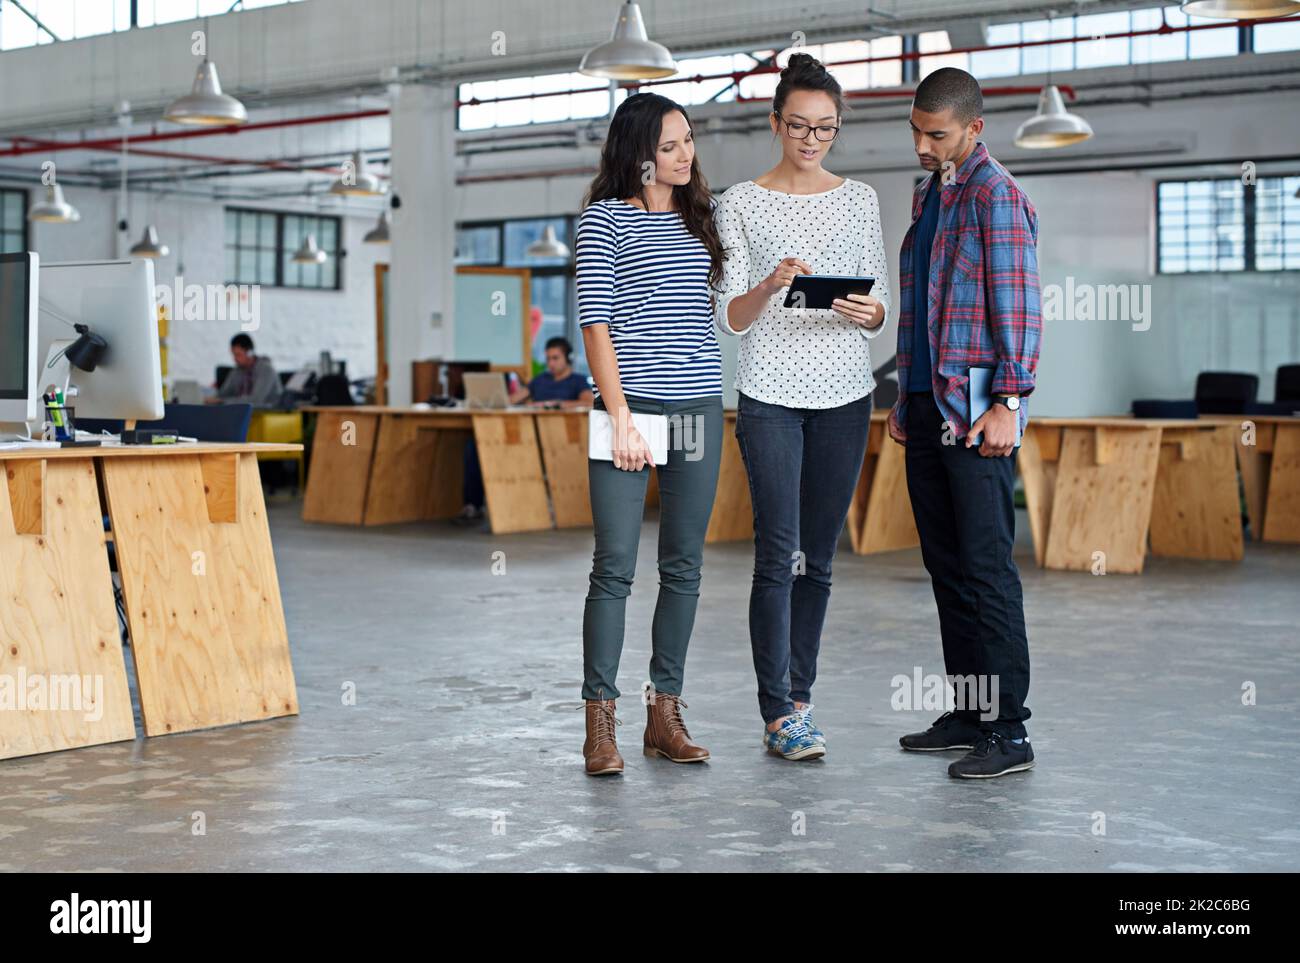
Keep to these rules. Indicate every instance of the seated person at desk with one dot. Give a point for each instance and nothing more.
(253, 379)
(559, 386)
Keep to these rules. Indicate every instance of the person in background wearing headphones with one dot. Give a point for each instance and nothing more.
(559, 386)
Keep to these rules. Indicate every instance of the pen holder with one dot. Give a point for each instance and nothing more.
(59, 424)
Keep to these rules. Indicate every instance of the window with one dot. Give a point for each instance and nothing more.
(260, 246)
(506, 243)
(1226, 225)
(1102, 45)
(13, 221)
(251, 245)
(1274, 37)
(590, 96)
(478, 245)
(296, 228)
(1201, 225)
(1277, 224)
(591, 100)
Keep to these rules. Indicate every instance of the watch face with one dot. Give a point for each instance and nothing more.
(1014, 403)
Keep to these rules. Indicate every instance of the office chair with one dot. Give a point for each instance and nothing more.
(1287, 386)
(1225, 392)
(333, 390)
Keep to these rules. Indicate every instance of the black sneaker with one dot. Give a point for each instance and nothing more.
(993, 755)
(949, 731)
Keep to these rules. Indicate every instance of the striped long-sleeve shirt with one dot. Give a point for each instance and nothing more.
(643, 274)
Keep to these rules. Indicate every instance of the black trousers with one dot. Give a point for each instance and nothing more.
(965, 515)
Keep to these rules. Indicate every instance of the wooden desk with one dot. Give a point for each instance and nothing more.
(880, 515)
(383, 465)
(198, 576)
(1097, 487)
(374, 465)
(1268, 456)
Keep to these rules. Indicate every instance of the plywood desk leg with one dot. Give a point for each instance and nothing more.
(889, 524)
(1195, 511)
(342, 451)
(1282, 516)
(564, 453)
(1101, 509)
(1038, 487)
(512, 472)
(732, 519)
(1255, 461)
(202, 597)
(57, 618)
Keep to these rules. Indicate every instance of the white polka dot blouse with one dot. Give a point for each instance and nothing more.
(801, 358)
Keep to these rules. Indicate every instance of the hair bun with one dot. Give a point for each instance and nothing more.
(803, 64)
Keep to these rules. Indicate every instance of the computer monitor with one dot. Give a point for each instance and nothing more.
(19, 391)
(116, 300)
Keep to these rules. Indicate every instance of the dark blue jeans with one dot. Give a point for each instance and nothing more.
(803, 466)
(965, 515)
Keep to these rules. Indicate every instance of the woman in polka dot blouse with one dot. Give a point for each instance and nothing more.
(804, 380)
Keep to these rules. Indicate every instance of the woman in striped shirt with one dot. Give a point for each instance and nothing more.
(647, 253)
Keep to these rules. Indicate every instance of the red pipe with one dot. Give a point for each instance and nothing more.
(201, 158)
(737, 76)
(115, 143)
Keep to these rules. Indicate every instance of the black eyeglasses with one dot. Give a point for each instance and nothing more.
(800, 131)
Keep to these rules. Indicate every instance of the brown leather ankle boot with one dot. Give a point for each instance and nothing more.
(601, 750)
(665, 733)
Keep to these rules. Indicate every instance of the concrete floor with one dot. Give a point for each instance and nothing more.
(463, 751)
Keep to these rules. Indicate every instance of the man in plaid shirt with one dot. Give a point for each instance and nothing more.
(970, 297)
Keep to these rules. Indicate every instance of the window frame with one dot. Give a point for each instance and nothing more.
(1249, 222)
(26, 230)
(281, 252)
(568, 270)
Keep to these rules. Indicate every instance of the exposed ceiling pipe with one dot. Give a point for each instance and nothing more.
(53, 146)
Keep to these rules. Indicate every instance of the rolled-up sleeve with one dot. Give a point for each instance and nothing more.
(1013, 295)
(875, 262)
(735, 269)
(596, 247)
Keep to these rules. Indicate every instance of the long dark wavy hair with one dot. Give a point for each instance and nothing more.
(633, 139)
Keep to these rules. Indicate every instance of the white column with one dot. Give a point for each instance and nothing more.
(423, 233)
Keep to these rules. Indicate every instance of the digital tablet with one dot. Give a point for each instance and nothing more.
(817, 291)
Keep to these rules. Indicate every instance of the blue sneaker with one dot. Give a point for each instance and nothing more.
(818, 736)
(792, 740)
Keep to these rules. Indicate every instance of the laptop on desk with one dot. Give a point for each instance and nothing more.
(486, 390)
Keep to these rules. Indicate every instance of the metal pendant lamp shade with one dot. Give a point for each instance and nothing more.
(205, 104)
(1240, 9)
(309, 253)
(548, 245)
(1052, 125)
(149, 245)
(54, 209)
(362, 183)
(629, 54)
(379, 233)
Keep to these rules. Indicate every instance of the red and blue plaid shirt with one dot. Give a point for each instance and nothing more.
(985, 301)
